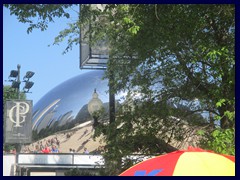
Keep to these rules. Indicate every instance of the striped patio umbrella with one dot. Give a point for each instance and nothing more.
(191, 162)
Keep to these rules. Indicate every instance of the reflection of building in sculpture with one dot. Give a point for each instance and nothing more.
(66, 105)
(39, 114)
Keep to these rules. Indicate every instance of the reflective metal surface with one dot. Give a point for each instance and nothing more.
(66, 105)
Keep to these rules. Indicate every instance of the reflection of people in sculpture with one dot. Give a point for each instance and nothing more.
(54, 149)
(46, 150)
(86, 151)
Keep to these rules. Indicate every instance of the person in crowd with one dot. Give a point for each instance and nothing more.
(53, 141)
(86, 151)
(41, 146)
(36, 149)
(57, 142)
(46, 150)
(13, 151)
(54, 149)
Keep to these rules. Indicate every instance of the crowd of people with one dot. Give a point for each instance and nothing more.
(39, 148)
(46, 146)
(52, 145)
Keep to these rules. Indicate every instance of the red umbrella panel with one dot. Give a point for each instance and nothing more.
(191, 162)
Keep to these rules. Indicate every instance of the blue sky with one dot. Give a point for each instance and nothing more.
(31, 51)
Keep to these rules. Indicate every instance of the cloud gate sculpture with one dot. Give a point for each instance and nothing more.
(66, 105)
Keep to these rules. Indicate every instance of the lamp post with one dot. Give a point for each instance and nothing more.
(95, 106)
(22, 109)
(96, 56)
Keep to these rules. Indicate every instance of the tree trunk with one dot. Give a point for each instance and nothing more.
(225, 121)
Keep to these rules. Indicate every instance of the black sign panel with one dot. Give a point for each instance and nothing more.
(18, 121)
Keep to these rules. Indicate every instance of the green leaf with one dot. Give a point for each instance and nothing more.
(201, 132)
(127, 20)
(221, 102)
(215, 133)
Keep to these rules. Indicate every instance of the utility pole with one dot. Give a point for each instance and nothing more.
(18, 81)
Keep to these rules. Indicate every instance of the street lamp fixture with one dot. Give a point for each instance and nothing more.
(15, 74)
(95, 106)
(28, 75)
(27, 86)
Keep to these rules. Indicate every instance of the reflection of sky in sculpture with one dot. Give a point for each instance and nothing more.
(66, 100)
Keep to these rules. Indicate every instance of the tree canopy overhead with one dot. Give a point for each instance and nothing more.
(190, 46)
(163, 52)
(185, 53)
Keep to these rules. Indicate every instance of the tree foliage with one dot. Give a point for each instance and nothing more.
(162, 56)
(190, 46)
(10, 93)
(177, 53)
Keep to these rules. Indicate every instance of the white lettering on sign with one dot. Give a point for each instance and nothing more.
(20, 109)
